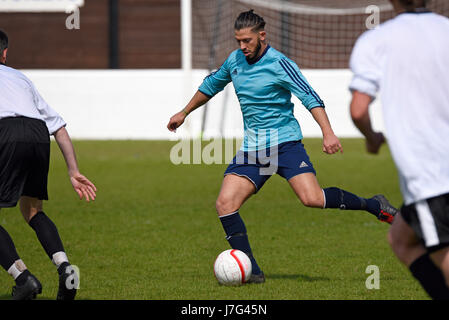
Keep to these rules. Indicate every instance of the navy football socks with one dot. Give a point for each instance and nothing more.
(341, 199)
(235, 230)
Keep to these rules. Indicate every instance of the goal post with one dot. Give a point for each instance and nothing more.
(316, 34)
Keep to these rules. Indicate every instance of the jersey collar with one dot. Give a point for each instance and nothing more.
(261, 56)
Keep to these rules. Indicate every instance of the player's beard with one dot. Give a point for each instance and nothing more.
(256, 52)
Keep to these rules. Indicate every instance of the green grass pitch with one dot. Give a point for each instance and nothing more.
(153, 232)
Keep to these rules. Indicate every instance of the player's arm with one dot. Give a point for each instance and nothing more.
(360, 116)
(80, 183)
(212, 84)
(331, 144)
(291, 78)
(56, 127)
(365, 65)
(197, 101)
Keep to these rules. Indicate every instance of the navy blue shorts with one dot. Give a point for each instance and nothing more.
(287, 159)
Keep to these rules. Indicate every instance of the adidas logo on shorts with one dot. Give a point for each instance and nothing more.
(303, 165)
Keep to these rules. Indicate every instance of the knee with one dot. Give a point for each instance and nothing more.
(225, 205)
(29, 208)
(406, 251)
(400, 243)
(312, 200)
(30, 215)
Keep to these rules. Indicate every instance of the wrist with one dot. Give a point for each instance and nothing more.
(328, 132)
(73, 172)
(185, 112)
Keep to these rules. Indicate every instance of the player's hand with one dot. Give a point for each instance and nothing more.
(373, 144)
(331, 144)
(176, 121)
(83, 186)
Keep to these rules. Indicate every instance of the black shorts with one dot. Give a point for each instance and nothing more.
(430, 220)
(24, 159)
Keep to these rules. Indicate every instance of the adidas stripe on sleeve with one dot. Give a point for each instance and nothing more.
(292, 79)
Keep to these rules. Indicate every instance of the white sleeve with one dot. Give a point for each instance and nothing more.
(365, 64)
(52, 119)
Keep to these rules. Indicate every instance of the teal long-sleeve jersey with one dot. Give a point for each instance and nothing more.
(264, 89)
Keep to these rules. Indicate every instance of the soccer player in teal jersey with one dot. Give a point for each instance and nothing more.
(264, 80)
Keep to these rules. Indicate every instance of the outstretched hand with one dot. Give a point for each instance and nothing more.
(83, 187)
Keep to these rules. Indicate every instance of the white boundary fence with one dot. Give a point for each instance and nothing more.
(137, 104)
(40, 5)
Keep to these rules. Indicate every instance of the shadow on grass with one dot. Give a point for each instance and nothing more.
(39, 297)
(300, 277)
(8, 297)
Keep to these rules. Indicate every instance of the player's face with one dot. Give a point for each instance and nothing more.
(250, 41)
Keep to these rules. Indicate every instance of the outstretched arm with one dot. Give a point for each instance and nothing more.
(331, 144)
(178, 119)
(361, 118)
(80, 183)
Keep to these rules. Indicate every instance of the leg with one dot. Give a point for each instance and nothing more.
(411, 253)
(234, 192)
(15, 164)
(310, 193)
(441, 260)
(48, 236)
(439, 207)
(404, 242)
(9, 259)
(29, 207)
(45, 229)
(27, 286)
(308, 190)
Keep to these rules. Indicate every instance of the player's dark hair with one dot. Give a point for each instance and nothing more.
(3, 41)
(411, 5)
(249, 19)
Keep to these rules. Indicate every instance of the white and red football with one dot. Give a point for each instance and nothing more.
(232, 268)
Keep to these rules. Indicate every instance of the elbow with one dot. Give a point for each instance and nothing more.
(60, 133)
(359, 108)
(357, 115)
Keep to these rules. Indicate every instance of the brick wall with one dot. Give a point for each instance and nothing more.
(149, 37)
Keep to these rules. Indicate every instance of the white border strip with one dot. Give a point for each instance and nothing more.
(40, 5)
(297, 8)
